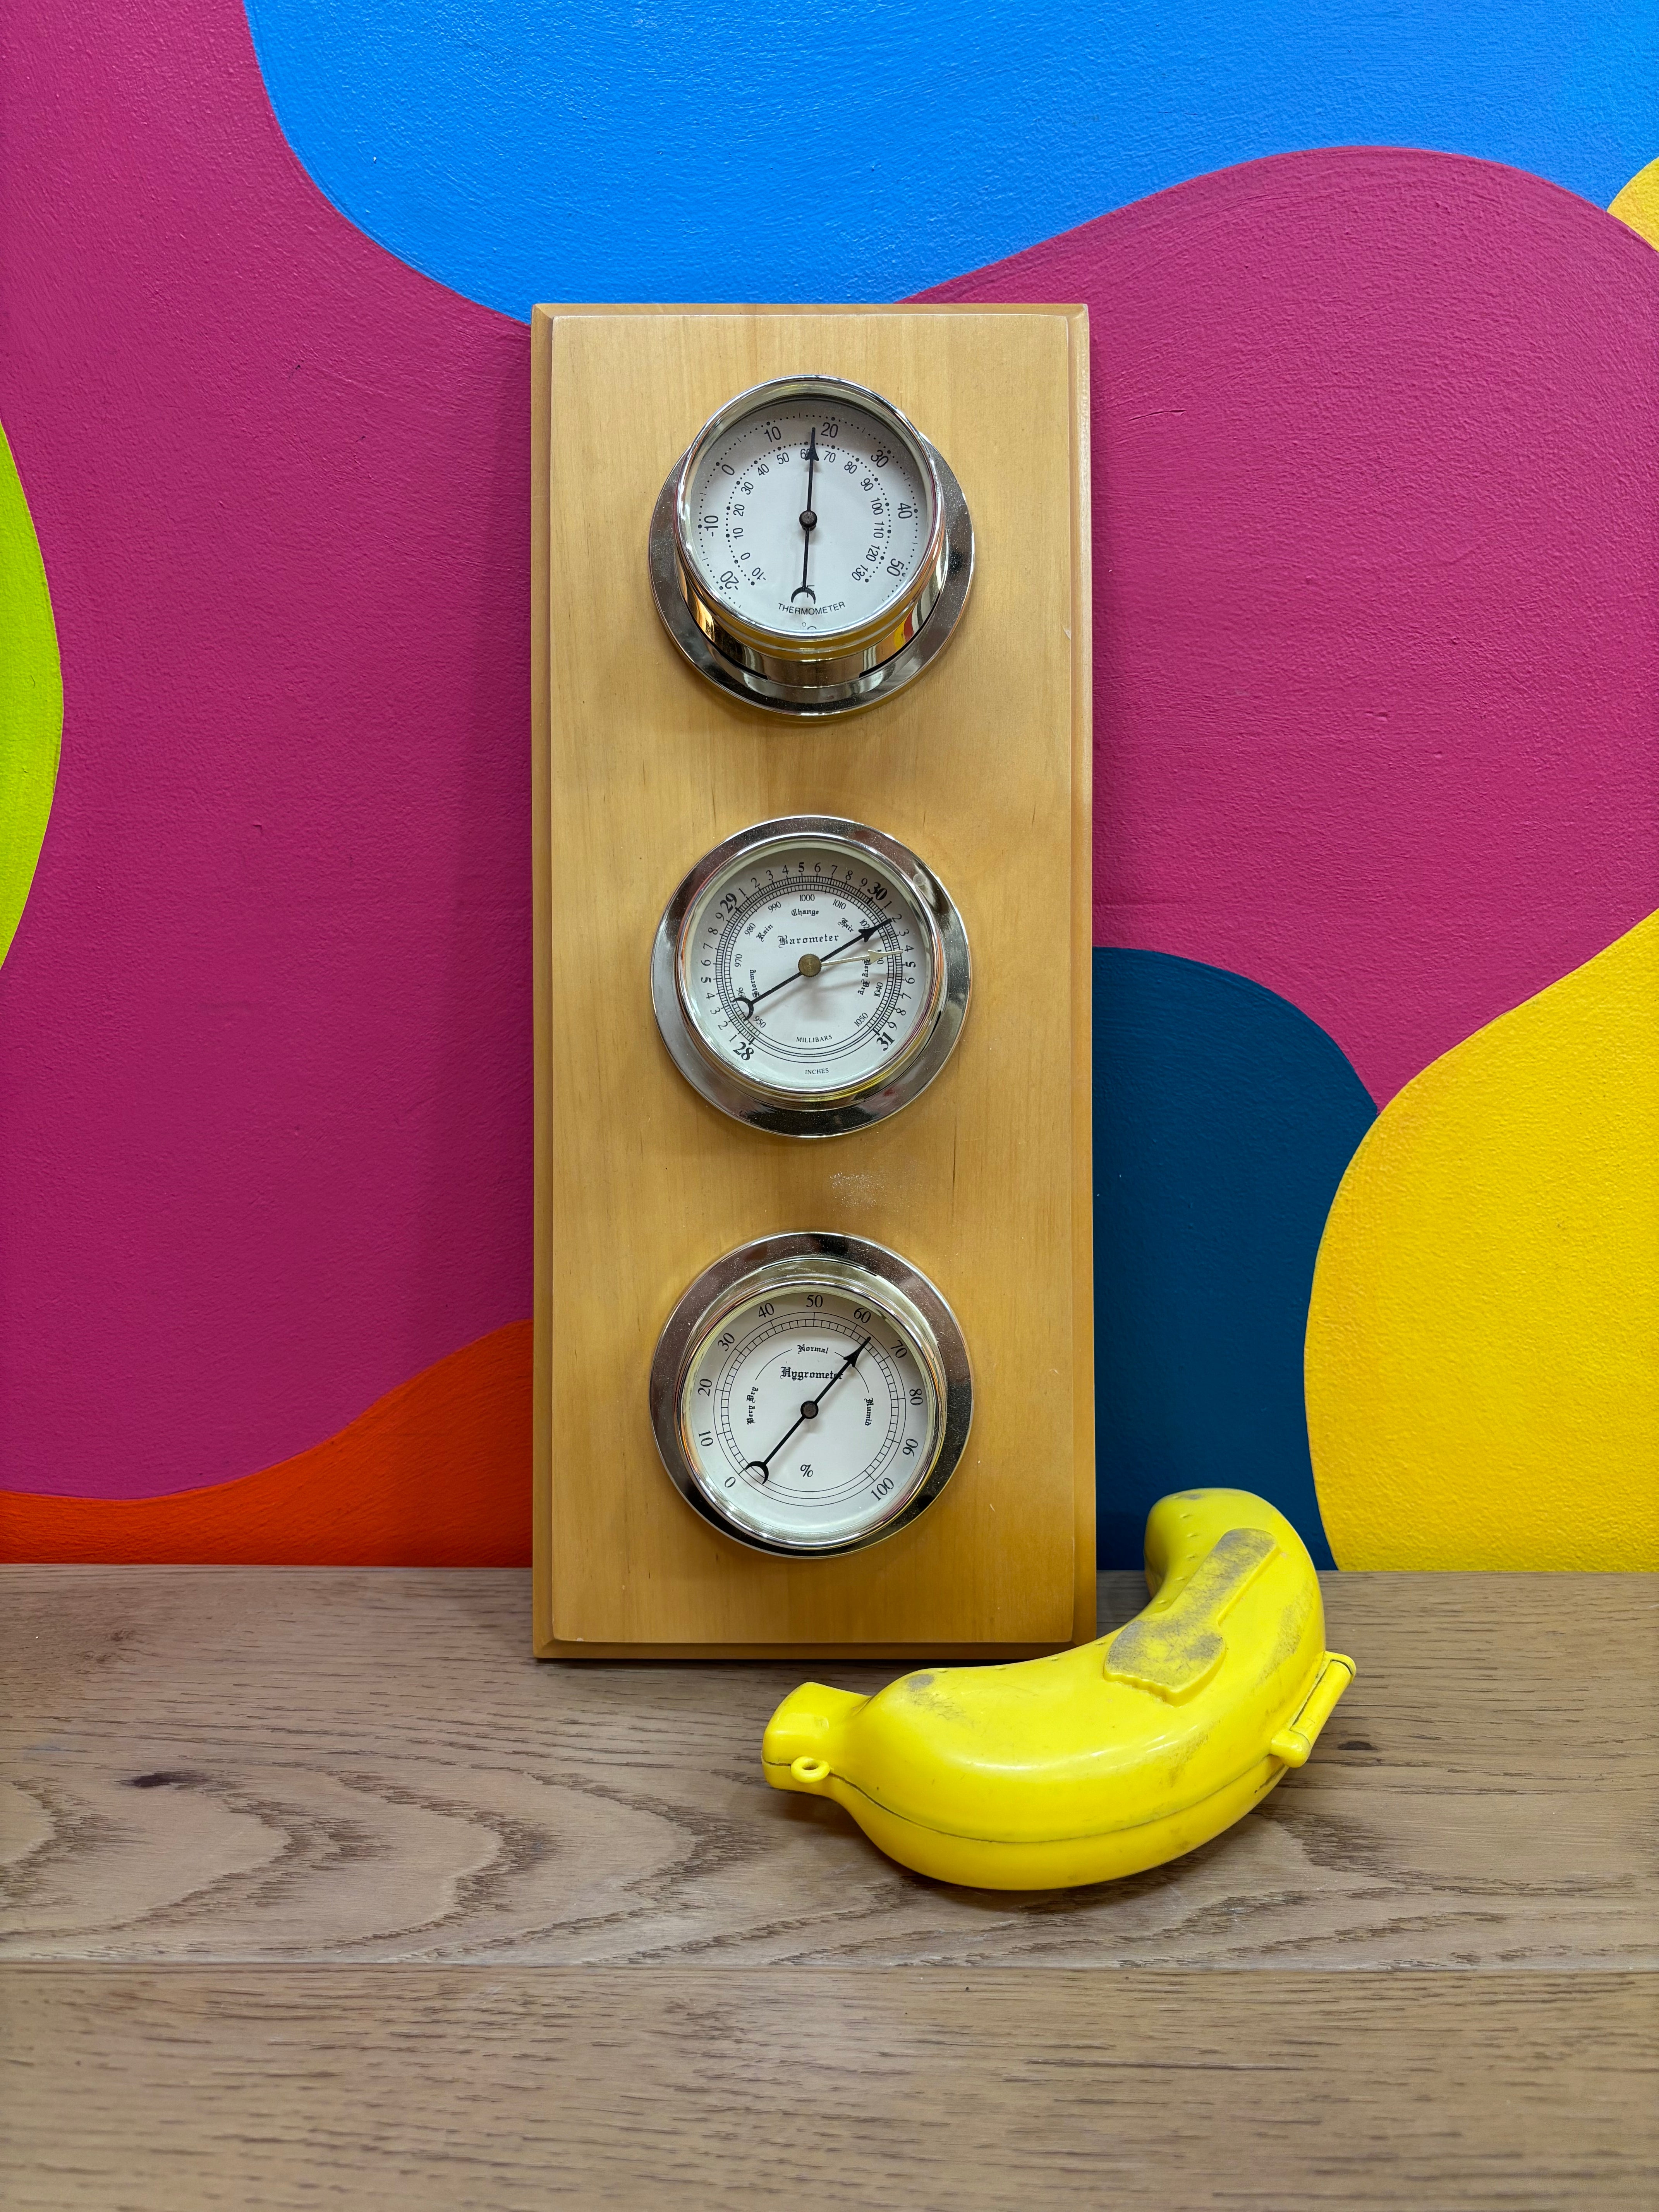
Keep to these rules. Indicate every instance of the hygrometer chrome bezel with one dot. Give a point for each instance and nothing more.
(867, 662)
(831, 1112)
(850, 1264)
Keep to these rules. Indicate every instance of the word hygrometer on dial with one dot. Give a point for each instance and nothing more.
(810, 1394)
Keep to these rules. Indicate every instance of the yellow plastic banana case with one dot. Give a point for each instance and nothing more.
(1101, 1761)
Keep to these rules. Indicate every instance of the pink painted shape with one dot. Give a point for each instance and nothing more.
(264, 1032)
(1377, 582)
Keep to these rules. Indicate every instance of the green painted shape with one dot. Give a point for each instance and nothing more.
(31, 699)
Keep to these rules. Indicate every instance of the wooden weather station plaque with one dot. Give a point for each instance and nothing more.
(814, 1346)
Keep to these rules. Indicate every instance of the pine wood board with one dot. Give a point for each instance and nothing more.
(180, 2088)
(351, 1765)
(983, 766)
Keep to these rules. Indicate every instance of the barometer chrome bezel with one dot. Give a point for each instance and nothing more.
(774, 669)
(828, 1113)
(801, 1258)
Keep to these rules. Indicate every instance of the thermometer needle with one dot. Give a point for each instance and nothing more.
(808, 1413)
(809, 521)
(808, 965)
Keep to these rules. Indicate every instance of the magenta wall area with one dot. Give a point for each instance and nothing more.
(265, 1048)
(1377, 599)
(1376, 562)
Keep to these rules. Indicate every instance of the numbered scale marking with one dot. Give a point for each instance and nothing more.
(811, 1393)
(811, 975)
(872, 502)
(810, 550)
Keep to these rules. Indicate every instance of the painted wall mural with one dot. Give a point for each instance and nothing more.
(431, 1475)
(1224, 1121)
(678, 152)
(1482, 1385)
(1377, 654)
(31, 700)
(266, 1072)
(1375, 632)
(1638, 203)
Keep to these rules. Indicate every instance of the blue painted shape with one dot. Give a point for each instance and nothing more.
(1224, 1119)
(520, 150)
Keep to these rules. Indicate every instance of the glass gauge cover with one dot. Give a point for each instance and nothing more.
(811, 1393)
(811, 975)
(806, 544)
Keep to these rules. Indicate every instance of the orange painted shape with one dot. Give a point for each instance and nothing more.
(435, 1474)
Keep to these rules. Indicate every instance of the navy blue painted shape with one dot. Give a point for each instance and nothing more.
(1224, 1119)
(520, 150)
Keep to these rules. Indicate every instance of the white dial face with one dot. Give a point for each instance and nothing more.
(810, 1414)
(808, 968)
(808, 518)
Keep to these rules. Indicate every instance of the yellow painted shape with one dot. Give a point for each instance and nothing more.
(1482, 1361)
(31, 700)
(1638, 203)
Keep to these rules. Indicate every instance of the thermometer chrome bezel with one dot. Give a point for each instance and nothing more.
(845, 670)
(831, 1112)
(872, 1274)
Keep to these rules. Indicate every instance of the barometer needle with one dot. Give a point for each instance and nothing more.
(809, 521)
(802, 968)
(808, 1412)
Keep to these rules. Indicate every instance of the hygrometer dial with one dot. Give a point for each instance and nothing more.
(811, 975)
(810, 550)
(811, 1393)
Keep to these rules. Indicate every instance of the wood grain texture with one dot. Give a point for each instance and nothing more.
(351, 1765)
(410, 2087)
(983, 768)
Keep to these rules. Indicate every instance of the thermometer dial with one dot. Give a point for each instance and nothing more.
(811, 1393)
(810, 550)
(811, 975)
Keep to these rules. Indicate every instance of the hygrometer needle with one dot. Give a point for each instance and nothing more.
(808, 1412)
(809, 521)
(808, 965)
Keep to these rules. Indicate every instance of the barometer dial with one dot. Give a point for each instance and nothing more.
(811, 975)
(810, 550)
(811, 1392)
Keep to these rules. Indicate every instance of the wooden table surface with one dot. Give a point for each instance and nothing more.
(321, 1892)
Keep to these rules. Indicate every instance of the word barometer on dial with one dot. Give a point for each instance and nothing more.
(811, 551)
(811, 975)
(811, 1393)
